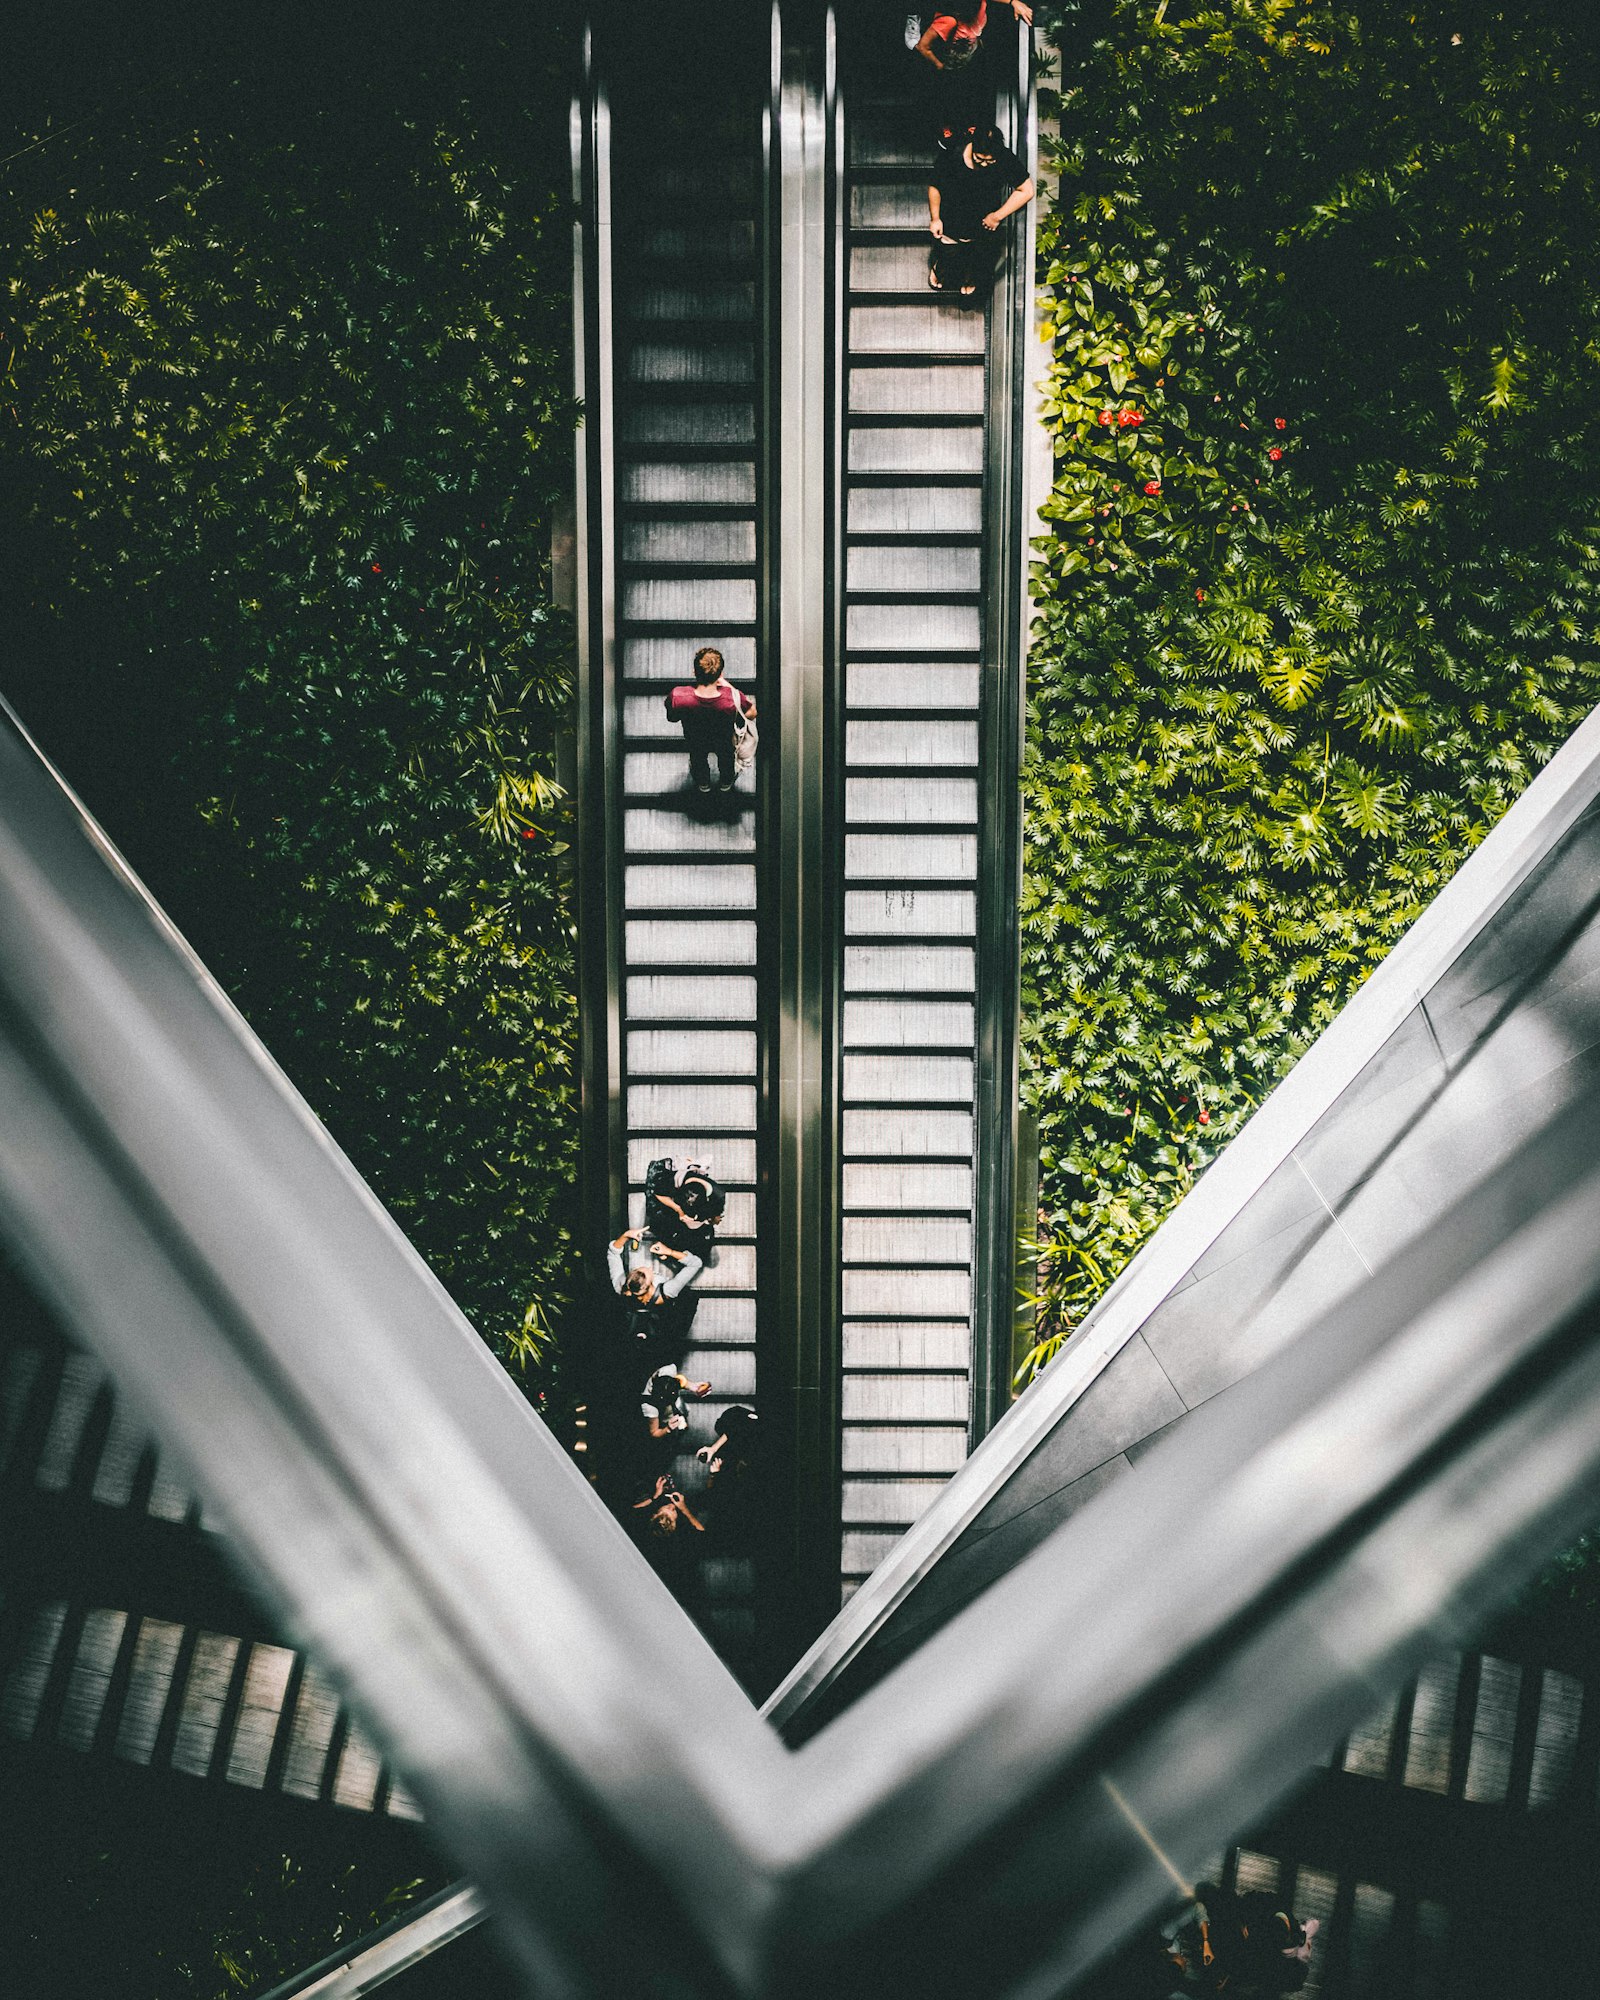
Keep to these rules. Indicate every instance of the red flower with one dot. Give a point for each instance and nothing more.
(1274, 454)
(1204, 1118)
(1199, 598)
(1152, 486)
(1279, 424)
(1136, 418)
(530, 833)
(1104, 417)
(377, 569)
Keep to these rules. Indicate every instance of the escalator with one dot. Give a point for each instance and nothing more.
(1136, 1614)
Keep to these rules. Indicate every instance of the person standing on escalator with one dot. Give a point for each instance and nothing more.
(710, 710)
(975, 187)
(952, 45)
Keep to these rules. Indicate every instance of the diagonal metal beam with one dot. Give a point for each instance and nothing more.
(1171, 1659)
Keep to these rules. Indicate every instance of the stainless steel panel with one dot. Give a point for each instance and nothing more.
(915, 510)
(895, 1344)
(891, 267)
(908, 1135)
(204, 1696)
(728, 483)
(862, 1549)
(155, 1659)
(699, 997)
(914, 1294)
(886, 1502)
(908, 1024)
(897, 1186)
(907, 1239)
(119, 1457)
(928, 686)
(81, 1380)
(266, 1681)
(717, 362)
(645, 719)
(662, 941)
(355, 1782)
(943, 329)
(889, 204)
(908, 968)
(711, 299)
(897, 628)
(911, 801)
(1555, 1742)
(947, 857)
(29, 1670)
(315, 1714)
(731, 1268)
(900, 911)
(731, 1371)
(911, 571)
(945, 392)
(679, 541)
(90, 1679)
(715, 242)
(926, 1448)
(688, 424)
(930, 744)
(692, 1052)
(672, 660)
(656, 831)
(907, 1079)
(682, 600)
(715, 1107)
(1494, 1730)
(684, 886)
(947, 448)
(1433, 1718)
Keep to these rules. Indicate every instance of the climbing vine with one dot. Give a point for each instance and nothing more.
(1318, 592)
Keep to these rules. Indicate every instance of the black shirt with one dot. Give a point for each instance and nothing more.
(968, 194)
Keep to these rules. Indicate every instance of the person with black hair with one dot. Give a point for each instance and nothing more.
(682, 1206)
(977, 183)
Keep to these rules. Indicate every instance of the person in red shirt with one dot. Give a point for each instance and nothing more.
(708, 707)
(952, 40)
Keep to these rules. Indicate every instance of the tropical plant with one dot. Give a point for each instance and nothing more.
(1319, 591)
(287, 414)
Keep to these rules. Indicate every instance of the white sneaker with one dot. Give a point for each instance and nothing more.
(913, 30)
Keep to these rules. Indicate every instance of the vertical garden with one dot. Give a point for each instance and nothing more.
(287, 408)
(1318, 587)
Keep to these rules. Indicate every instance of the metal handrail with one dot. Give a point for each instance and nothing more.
(1161, 1669)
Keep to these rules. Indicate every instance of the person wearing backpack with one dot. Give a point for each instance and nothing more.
(711, 711)
(682, 1209)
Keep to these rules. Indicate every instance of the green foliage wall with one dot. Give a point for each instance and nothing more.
(1319, 593)
(287, 410)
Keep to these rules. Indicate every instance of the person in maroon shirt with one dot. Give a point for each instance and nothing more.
(707, 708)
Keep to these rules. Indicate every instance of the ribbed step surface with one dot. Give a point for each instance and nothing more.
(913, 497)
(111, 1681)
(687, 475)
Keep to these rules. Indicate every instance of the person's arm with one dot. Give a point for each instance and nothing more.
(666, 1201)
(925, 46)
(688, 1266)
(1022, 10)
(935, 205)
(682, 1506)
(653, 1499)
(707, 1452)
(1019, 197)
(655, 1421)
(616, 1264)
